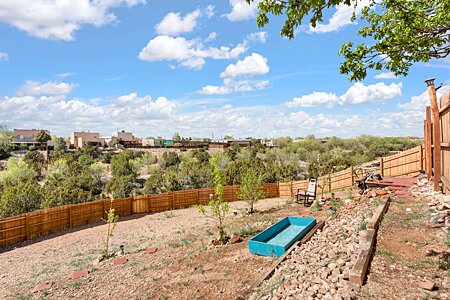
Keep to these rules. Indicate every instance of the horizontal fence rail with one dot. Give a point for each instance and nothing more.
(44, 222)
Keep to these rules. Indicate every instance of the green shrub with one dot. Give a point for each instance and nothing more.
(20, 198)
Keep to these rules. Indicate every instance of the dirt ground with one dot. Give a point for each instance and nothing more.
(186, 265)
(401, 260)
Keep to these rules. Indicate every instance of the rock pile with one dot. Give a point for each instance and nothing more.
(436, 201)
(319, 269)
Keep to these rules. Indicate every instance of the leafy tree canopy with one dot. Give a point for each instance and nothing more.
(398, 33)
(20, 198)
(42, 137)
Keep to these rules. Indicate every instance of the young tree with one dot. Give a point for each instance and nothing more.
(111, 220)
(219, 207)
(400, 33)
(251, 187)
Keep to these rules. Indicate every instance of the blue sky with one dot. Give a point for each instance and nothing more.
(193, 67)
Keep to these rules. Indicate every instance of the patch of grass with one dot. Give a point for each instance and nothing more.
(367, 295)
(429, 295)
(46, 270)
(247, 231)
(315, 206)
(377, 202)
(75, 283)
(23, 297)
(174, 245)
(414, 215)
(386, 254)
(391, 217)
(363, 226)
(444, 263)
(163, 297)
(82, 262)
(350, 194)
(336, 203)
(421, 263)
(447, 239)
(209, 232)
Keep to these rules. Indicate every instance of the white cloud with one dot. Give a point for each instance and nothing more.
(316, 98)
(211, 37)
(257, 37)
(236, 77)
(189, 53)
(210, 11)
(174, 23)
(241, 10)
(379, 92)
(356, 94)
(341, 18)
(255, 64)
(46, 88)
(232, 86)
(4, 56)
(385, 75)
(58, 19)
(420, 102)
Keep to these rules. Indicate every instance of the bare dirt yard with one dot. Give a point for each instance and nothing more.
(412, 251)
(412, 247)
(185, 266)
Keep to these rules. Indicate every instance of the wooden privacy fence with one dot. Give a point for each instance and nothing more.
(401, 164)
(43, 222)
(437, 144)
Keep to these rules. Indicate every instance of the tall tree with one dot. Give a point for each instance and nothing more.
(399, 33)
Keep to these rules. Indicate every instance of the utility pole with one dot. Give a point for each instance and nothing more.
(436, 134)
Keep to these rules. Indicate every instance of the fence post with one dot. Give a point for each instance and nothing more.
(131, 204)
(173, 199)
(381, 166)
(427, 142)
(353, 176)
(70, 215)
(26, 226)
(421, 157)
(329, 182)
(436, 134)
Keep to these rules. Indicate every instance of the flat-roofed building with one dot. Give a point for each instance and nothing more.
(26, 136)
(81, 139)
(124, 136)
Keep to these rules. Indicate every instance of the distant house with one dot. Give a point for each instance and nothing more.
(126, 139)
(26, 136)
(81, 139)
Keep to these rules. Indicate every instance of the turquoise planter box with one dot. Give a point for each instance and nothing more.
(276, 239)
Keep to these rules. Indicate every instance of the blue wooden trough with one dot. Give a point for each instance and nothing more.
(276, 239)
